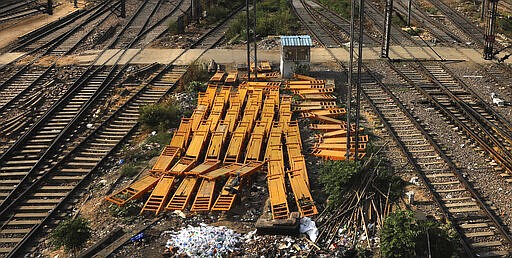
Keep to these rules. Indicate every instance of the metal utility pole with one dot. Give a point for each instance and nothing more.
(350, 71)
(255, 44)
(49, 7)
(248, 41)
(409, 13)
(123, 8)
(490, 30)
(359, 79)
(483, 9)
(387, 29)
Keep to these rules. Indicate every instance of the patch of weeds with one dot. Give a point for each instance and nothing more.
(129, 170)
(130, 209)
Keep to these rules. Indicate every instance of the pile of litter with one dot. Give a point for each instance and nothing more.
(204, 241)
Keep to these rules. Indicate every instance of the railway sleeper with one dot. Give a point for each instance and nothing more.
(67, 178)
(23, 161)
(16, 168)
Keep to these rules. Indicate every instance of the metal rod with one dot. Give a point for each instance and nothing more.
(387, 29)
(248, 41)
(359, 79)
(350, 71)
(49, 7)
(409, 13)
(490, 30)
(255, 44)
(482, 10)
(123, 8)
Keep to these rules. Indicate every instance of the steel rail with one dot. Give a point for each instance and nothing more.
(46, 174)
(77, 118)
(466, 184)
(453, 168)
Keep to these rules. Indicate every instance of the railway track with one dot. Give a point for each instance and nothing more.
(474, 34)
(41, 200)
(10, 10)
(481, 231)
(35, 204)
(338, 23)
(136, 24)
(435, 27)
(20, 86)
(27, 157)
(501, 75)
(43, 138)
(321, 33)
(505, 6)
(465, 109)
(44, 40)
(210, 39)
(397, 35)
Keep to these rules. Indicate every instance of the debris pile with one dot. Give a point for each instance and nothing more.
(204, 241)
(275, 245)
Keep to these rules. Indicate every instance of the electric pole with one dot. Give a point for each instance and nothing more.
(49, 7)
(409, 13)
(350, 71)
(490, 29)
(359, 78)
(387, 29)
(123, 8)
(255, 44)
(248, 31)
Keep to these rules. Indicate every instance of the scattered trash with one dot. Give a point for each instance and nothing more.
(410, 196)
(137, 238)
(89, 126)
(153, 133)
(180, 214)
(204, 241)
(308, 226)
(415, 180)
(496, 100)
(120, 162)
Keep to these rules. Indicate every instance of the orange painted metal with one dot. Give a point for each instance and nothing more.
(231, 78)
(159, 196)
(183, 194)
(313, 91)
(254, 147)
(302, 195)
(228, 194)
(303, 77)
(217, 142)
(331, 112)
(134, 190)
(234, 151)
(218, 77)
(335, 155)
(222, 171)
(204, 168)
(278, 198)
(265, 66)
(319, 96)
(165, 160)
(181, 137)
(204, 196)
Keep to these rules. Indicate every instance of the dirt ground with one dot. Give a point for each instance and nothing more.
(10, 31)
